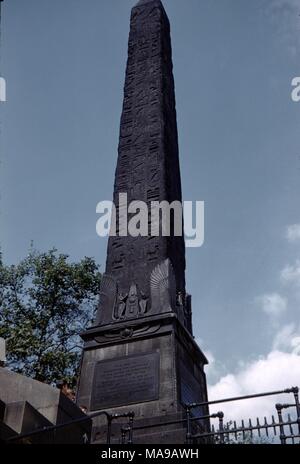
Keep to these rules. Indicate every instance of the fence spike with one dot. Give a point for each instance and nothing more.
(250, 426)
(228, 429)
(258, 427)
(235, 428)
(266, 427)
(291, 427)
(243, 427)
(274, 425)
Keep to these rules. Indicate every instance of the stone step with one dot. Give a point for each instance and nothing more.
(27, 405)
(23, 418)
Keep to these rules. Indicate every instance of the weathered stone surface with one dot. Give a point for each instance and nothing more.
(23, 418)
(147, 170)
(47, 405)
(17, 388)
(124, 381)
(2, 350)
(175, 346)
(2, 410)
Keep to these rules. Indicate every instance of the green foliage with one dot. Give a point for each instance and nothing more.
(45, 303)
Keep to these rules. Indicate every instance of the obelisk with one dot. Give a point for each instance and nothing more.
(140, 353)
(148, 161)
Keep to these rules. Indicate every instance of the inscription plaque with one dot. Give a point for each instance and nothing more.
(128, 380)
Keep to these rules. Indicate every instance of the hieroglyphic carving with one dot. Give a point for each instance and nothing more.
(163, 288)
(131, 331)
(108, 295)
(130, 305)
(116, 305)
(148, 165)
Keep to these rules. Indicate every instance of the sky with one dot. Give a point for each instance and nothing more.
(234, 60)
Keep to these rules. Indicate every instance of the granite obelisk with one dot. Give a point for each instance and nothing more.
(140, 353)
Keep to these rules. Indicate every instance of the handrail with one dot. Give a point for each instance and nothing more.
(294, 390)
(52, 428)
(221, 433)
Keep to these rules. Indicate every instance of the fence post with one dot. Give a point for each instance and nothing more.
(188, 425)
(131, 418)
(221, 427)
(109, 421)
(279, 408)
(124, 431)
(296, 395)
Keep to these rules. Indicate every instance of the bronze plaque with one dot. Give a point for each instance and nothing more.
(123, 381)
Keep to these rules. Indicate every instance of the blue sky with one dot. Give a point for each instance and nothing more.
(234, 60)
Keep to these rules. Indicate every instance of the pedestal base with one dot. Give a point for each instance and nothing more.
(152, 367)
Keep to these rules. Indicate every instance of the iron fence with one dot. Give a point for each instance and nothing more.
(286, 428)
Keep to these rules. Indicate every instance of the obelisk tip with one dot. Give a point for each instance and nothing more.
(144, 2)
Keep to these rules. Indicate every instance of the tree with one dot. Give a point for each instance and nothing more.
(45, 303)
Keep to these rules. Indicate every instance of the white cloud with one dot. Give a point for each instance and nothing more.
(215, 369)
(278, 370)
(292, 5)
(288, 339)
(293, 233)
(210, 357)
(291, 274)
(275, 371)
(273, 304)
(284, 15)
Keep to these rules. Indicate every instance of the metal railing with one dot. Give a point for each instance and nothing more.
(245, 432)
(54, 428)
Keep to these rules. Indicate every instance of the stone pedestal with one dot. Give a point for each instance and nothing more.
(152, 367)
